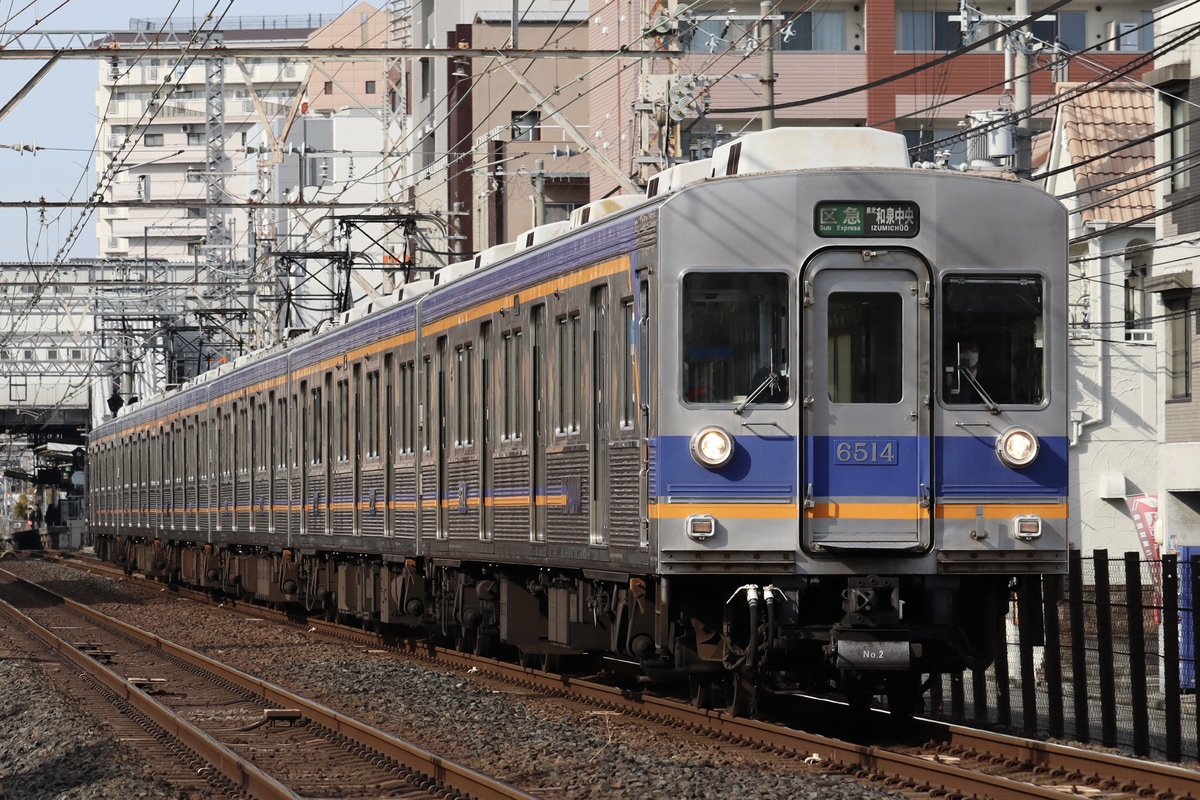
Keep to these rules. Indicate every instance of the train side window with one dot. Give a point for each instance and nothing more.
(735, 328)
(514, 386)
(371, 411)
(865, 357)
(408, 408)
(569, 390)
(464, 387)
(993, 340)
(342, 410)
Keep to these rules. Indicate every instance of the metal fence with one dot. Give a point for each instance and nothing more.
(1104, 655)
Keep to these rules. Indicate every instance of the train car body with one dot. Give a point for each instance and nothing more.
(795, 419)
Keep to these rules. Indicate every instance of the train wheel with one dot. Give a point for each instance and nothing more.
(740, 697)
(551, 662)
(484, 645)
(529, 660)
(903, 694)
(465, 642)
(702, 690)
(859, 692)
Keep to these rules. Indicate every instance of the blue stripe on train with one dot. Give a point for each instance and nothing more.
(767, 467)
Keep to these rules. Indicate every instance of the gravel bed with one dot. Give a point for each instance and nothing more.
(52, 750)
(547, 748)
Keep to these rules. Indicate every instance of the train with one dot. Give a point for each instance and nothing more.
(792, 420)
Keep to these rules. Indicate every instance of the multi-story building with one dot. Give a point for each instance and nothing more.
(169, 127)
(1174, 274)
(476, 129)
(880, 63)
(183, 158)
(1101, 161)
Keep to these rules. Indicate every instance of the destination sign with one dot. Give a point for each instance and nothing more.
(855, 219)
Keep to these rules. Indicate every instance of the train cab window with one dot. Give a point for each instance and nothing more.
(865, 355)
(734, 342)
(993, 340)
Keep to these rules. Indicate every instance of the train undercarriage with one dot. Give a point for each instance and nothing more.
(733, 644)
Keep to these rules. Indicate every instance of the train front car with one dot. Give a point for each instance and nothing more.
(860, 440)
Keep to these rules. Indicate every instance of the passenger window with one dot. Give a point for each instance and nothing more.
(993, 341)
(735, 327)
(865, 334)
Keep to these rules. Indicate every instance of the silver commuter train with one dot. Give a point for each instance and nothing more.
(794, 420)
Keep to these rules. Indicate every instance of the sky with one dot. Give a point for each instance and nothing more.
(58, 116)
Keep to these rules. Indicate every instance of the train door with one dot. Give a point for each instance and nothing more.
(302, 452)
(537, 428)
(441, 441)
(356, 431)
(388, 445)
(487, 424)
(867, 403)
(599, 416)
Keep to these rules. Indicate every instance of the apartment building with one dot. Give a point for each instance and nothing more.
(845, 63)
(1174, 274)
(177, 129)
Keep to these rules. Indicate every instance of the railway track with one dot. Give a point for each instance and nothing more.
(214, 730)
(931, 758)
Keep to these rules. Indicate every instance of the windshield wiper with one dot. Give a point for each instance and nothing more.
(771, 382)
(987, 400)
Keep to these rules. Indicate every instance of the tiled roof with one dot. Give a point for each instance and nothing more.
(1094, 124)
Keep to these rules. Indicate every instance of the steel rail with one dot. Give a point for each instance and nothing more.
(1159, 778)
(236, 769)
(454, 776)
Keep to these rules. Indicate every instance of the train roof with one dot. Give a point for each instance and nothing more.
(776, 150)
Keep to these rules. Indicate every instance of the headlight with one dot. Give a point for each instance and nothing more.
(712, 447)
(1017, 448)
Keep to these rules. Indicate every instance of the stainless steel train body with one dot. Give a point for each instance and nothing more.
(767, 430)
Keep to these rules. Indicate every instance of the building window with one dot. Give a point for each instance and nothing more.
(927, 31)
(152, 140)
(328, 87)
(1179, 350)
(525, 126)
(558, 212)
(1135, 301)
(195, 138)
(1068, 28)
(427, 153)
(369, 87)
(822, 30)
(1179, 142)
(705, 36)
(925, 143)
